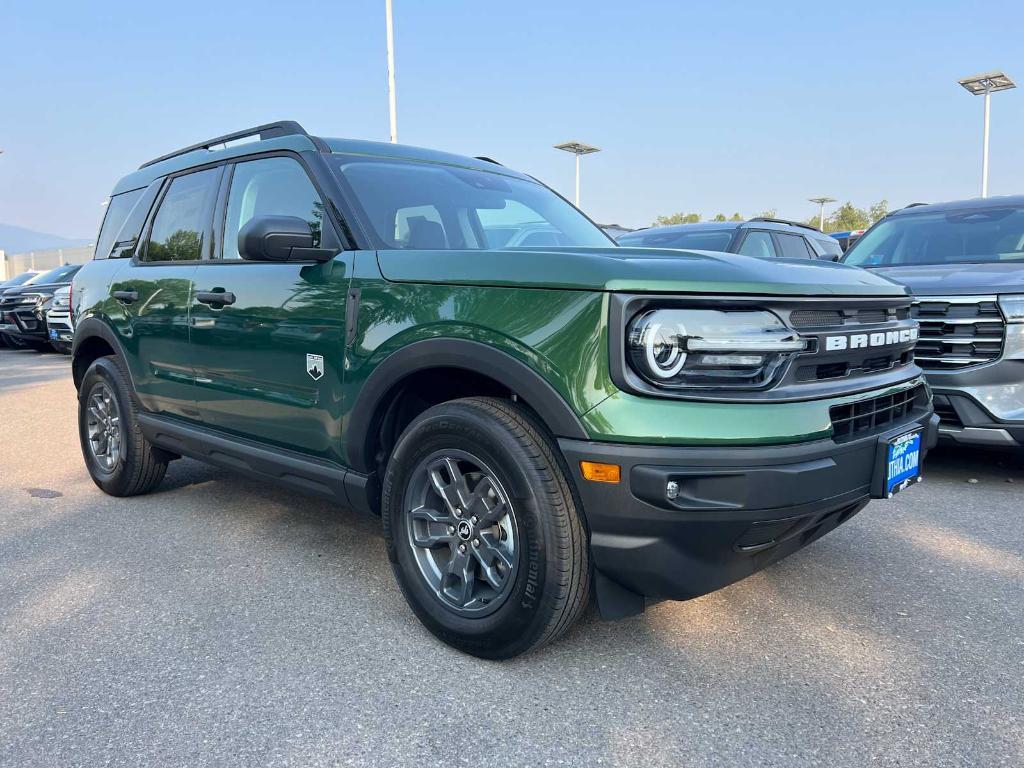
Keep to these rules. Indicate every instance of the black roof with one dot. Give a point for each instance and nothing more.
(972, 204)
(719, 226)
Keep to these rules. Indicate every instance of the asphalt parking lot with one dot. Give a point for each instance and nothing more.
(222, 621)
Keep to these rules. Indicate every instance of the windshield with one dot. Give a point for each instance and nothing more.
(699, 240)
(57, 275)
(427, 206)
(989, 235)
(21, 279)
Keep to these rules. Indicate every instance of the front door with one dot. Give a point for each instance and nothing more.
(154, 290)
(268, 339)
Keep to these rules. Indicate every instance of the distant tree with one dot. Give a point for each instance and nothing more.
(736, 217)
(848, 216)
(676, 218)
(719, 217)
(769, 214)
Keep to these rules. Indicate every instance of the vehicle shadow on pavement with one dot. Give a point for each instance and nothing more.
(223, 616)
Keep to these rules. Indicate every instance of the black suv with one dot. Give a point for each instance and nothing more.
(23, 309)
(758, 237)
(964, 263)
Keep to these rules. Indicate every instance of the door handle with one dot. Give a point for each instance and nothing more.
(126, 297)
(215, 298)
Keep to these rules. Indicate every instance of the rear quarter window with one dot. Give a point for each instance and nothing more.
(118, 209)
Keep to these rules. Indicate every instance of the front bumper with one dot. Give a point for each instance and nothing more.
(739, 509)
(59, 326)
(28, 324)
(984, 404)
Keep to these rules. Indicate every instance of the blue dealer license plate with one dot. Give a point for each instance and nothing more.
(902, 462)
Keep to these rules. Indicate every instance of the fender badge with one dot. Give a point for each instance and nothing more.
(315, 366)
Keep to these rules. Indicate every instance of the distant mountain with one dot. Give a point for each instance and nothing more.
(18, 240)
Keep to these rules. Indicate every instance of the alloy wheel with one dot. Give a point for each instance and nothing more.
(103, 426)
(462, 530)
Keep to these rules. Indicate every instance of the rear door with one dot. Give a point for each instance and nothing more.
(154, 290)
(269, 357)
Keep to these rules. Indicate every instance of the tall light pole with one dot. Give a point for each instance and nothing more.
(985, 85)
(821, 210)
(579, 149)
(392, 100)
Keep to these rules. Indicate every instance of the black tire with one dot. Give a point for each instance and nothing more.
(14, 342)
(548, 586)
(139, 466)
(39, 346)
(61, 347)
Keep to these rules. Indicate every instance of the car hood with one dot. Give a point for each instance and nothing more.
(957, 279)
(635, 270)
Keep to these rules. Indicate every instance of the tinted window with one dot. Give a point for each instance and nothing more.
(457, 205)
(699, 240)
(757, 243)
(127, 238)
(57, 275)
(793, 246)
(956, 237)
(182, 220)
(274, 186)
(827, 247)
(24, 277)
(117, 211)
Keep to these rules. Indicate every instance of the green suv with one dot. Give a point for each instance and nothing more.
(534, 424)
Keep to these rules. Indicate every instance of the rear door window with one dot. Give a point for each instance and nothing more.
(758, 243)
(182, 222)
(793, 246)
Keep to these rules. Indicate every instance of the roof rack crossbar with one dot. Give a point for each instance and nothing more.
(487, 159)
(785, 221)
(267, 131)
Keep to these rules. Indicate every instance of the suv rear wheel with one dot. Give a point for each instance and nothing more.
(482, 528)
(120, 460)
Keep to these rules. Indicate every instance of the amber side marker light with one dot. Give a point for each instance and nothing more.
(601, 473)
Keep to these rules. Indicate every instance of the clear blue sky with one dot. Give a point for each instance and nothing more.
(698, 106)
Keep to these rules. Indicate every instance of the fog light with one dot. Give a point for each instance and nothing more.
(672, 490)
(601, 473)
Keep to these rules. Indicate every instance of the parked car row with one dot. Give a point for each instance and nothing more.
(35, 310)
(964, 263)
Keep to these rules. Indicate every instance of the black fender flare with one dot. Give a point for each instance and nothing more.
(91, 328)
(517, 376)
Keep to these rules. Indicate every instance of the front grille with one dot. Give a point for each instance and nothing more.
(958, 331)
(874, 415)
(830, 318)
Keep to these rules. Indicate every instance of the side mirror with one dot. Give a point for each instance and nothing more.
(280, 238)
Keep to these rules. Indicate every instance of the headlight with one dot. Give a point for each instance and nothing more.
(1013, 308)
(710, 348)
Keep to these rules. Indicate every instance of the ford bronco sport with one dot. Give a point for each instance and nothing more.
(533, 425)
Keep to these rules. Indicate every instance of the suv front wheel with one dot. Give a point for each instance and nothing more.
(482, 528)
(119, 458)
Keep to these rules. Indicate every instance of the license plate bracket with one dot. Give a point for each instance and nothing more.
(897, 463)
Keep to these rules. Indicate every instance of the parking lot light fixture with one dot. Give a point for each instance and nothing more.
(579, 149)
(985, 85)
(821, 201)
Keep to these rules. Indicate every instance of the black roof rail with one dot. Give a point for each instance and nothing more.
(268, 131)
(488, 160)
(785, 221)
